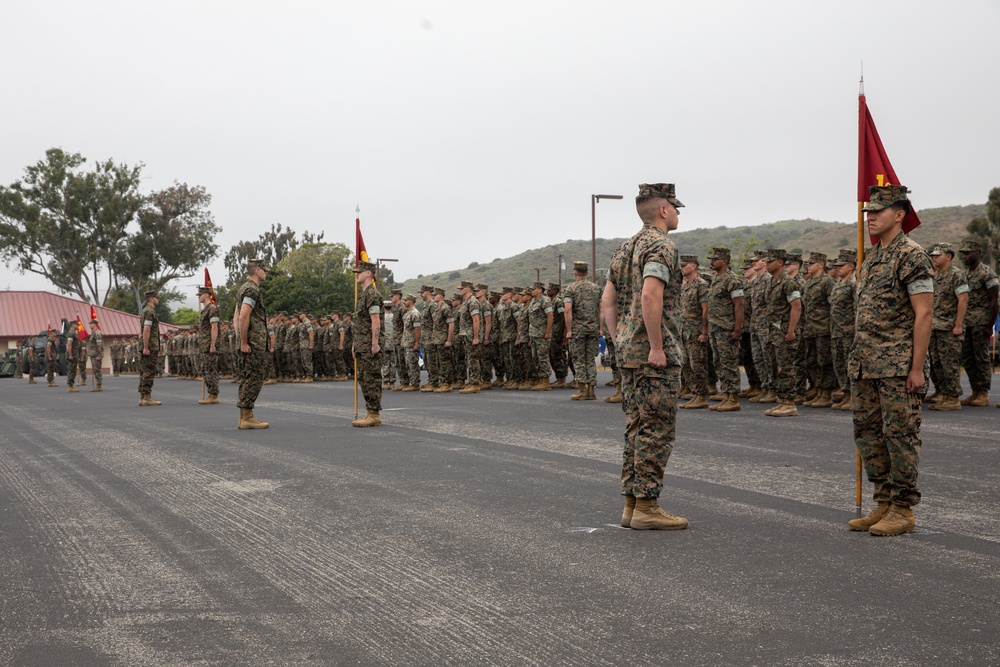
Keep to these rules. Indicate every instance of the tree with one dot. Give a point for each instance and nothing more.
(185, 315)
(272, 246)
(175, 238)
(987, 230)
(63, 222)
(315, 277)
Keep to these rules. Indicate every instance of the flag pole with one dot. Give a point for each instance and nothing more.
(357, 258)
(861, 255)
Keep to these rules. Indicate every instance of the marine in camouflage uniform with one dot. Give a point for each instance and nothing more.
(251, 339)
(292, 348)
(979, 318)
(522, 345)
(458, 372)
(694, 333)
(307, 341)
(51, 358)
(763, 356)
(432, 355)
(470, 329)
(650, 363)
(842, 300)
(208, 340)
(582, 312)
(368, 339)
(412, 320)
(540, 318)
(725, 328)
(442, 335)
(149, 335)
(75, 359)
(95, 352)
(895, 297)
(489, 333)
(816, 331)
(783, 310)
(951, 299)
(496, 353)
(557, 343)
(793, 266)
(396, 354)
(746, 340)
(508, 335)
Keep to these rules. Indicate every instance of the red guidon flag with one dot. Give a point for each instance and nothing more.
(93, 317)
(208, 284)
(874, 167)
(80, 329)
(361, 253)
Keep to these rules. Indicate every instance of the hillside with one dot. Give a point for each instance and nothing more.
(938, 224)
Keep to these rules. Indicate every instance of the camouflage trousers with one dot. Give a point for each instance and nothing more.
(499, 361)
(74, 366)
(584, 348)
(473, 357)
(412, 366)
(786, 367)
(887, 434)
(492, 364)
(370, 378)
(763, 359)
(976, 358)
(818, 361)
(609, 345)
(695, 369)
(726, 353)
(650, 405)
(540, 357)
(210, 372)
(444, 371)
(458, 366)
(946, 356)
(840, 349)
(307, 361)
(147, 371)
(747, 360)
(252, 370)
(50, 370)
(557, 358)
(510, 366)
(95, 365)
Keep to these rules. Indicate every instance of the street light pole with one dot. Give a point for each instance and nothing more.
(593, 230)
(378, 270)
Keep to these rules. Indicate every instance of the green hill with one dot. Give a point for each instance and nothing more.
(938, 224)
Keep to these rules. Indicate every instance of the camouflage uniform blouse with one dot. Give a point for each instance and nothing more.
(647, 254)
(369, 303)
(148, 319)
(883, 340)
(508, 322)
(396, 337)
(537, 316)
(521, 313)
(469, 307)
(209, 316)
(721, 310)
(948, 284)
(486, 312)
(778, 298)
(757, 295)
(583, 298)
(249, 295)
(693, 293)
(304, 329)
(842, 308)
(816, 306)
(427, 315)
(442, 316)
(980, 280)
(411, 322)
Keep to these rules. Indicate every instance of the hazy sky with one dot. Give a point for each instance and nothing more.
(469, 130)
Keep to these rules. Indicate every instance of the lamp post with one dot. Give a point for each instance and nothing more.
(378, 268)
(593, 229)
(538, 273)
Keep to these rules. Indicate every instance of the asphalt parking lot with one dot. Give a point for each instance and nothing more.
(473, 530)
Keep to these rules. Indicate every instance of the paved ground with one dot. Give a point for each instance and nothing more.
(472, 530)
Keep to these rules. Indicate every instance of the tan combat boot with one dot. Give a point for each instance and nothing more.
(770, 396)
(560, 383)
(468, 389)
(822, 399)
(933, 398)
(443, 388)
(845, 405)
(511, 385)
(754, 392)
(72, 390)
(146, 399)
(371, 419)
(97, 387)
(731, 404)
(696, 403)
(718, 396)
(248, 421)
(872, 518)
(946, 403)
(647, 515)
(837, 397)
(616, 397)
(211, 399)
(410, 387)
(685, 393)
(498, 383)
(628, 511)
(427, 388)
(581, 393)
(762, 394)
(53, 384)
(485, 386)
(980, 400)
(811, 394)
(543, 384)
(971, 397)
(899, 520)
(31, 380)
(592, 396)
(783, 409)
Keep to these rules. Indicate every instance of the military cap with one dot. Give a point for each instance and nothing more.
(466, 283)
(93, 321)
(495, 295)
(507, 289)
(970, 246)
(660, 190)
(689, 259)
(816, 257)
(324, 318)
(848, 255)
(456, 297)
(581, 266)
(409, 297)
(775, 254)
(793, 258)
(397, 292)
(942, 248)
(151, 293)
(423, 288)
(555, 286)
(884, 196)
(481, 287)
(256, 264)
(204, 290)
(439, 290)
(747, 263)
(720, 253)
(365, 266)
(538, 285)
(387, 304)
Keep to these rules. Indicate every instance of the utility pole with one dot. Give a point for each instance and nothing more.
(538, 273)
(560, 265)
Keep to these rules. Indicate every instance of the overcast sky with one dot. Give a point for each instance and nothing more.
(470, 130)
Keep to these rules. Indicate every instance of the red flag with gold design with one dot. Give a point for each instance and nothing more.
(208, 284)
